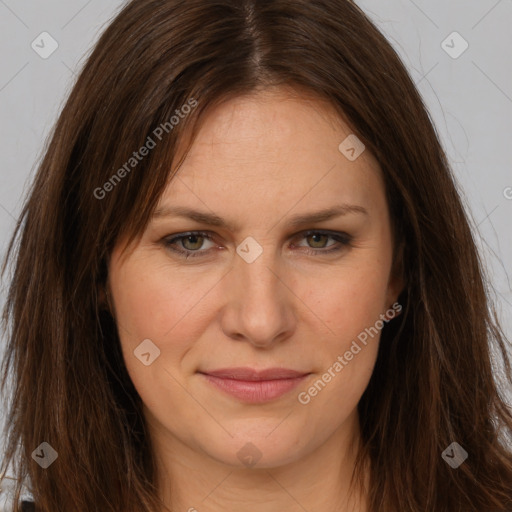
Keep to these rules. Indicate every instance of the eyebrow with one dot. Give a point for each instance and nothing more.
(295, 221)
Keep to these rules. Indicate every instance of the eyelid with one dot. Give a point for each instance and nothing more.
(341, 237)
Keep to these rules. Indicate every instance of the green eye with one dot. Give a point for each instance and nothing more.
(188, 245)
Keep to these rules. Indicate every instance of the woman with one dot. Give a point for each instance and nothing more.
(177, 339)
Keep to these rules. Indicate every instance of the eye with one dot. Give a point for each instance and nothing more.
(319, 238)
(188, 245)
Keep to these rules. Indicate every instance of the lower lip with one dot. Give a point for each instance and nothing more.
(255, 391)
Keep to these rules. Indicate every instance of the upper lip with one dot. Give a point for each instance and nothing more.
(250, 374)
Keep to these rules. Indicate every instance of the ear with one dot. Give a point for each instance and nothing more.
(104, 298)
(397, 282)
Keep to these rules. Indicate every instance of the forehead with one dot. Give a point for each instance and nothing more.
(273, 147)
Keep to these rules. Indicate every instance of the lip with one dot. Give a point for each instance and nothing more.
(255, 386)
(251, 374)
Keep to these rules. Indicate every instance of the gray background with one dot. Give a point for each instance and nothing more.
(469, 98)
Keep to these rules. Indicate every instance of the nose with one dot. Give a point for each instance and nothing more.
(260, 307)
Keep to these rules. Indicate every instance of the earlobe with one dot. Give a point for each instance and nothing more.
(396, 287)
(393, 311)
(394, 308)
(397, 281)
(104, 299)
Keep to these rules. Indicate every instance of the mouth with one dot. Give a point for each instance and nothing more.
(255, 386)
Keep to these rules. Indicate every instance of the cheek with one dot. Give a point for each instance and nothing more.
(171, 309)
(351, 305)
(351, 308)
(155, 302)
(350, 300)
(149, 304)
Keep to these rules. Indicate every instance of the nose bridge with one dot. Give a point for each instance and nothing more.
(253, 263)
(260, 308)
(259, 279)
(259, 285)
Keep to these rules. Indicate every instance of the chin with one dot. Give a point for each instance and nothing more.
(262, 449)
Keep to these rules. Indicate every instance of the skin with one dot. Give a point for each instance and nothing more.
(258, 160)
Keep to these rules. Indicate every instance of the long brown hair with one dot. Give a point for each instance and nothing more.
(433, 382)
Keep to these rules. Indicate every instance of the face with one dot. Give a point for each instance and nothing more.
(254, 284)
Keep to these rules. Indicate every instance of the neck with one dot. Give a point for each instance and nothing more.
(321, 480)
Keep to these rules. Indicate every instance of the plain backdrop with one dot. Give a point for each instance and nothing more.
(468, 94)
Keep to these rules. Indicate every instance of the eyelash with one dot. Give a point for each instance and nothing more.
(343, 238)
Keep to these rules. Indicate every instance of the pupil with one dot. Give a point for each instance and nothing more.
(191, 239)
(316, 236)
